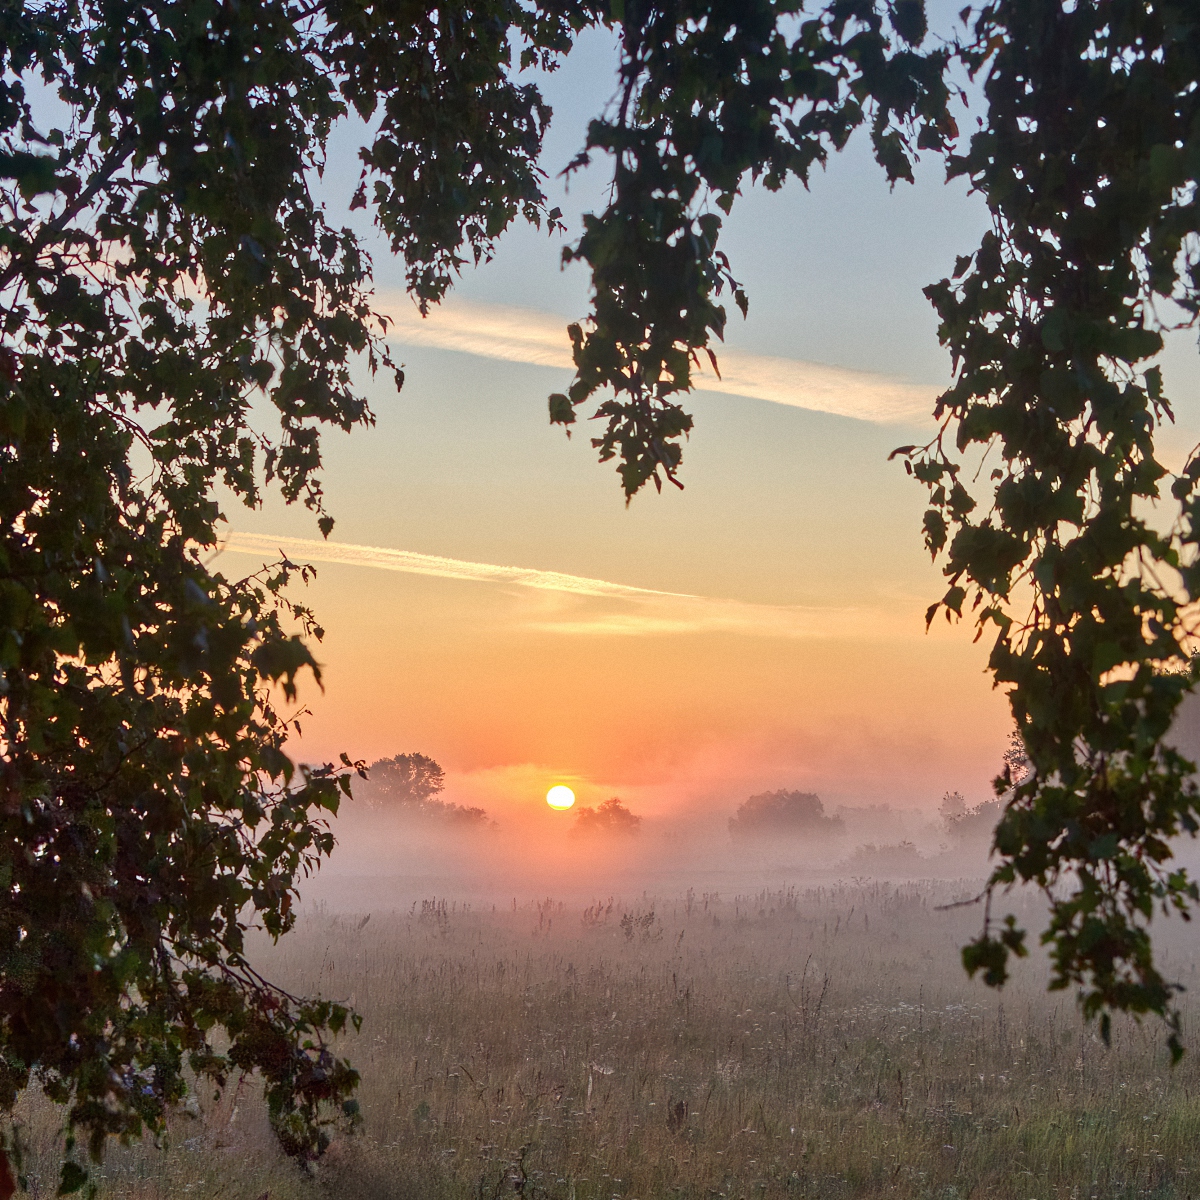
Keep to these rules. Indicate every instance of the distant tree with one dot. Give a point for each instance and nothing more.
(967, 823)
(784, 812)
(411, 784)
(1016, 762)
(953, 806)
(464, 814)
(903, 858)
(406, 782)
(960, 820)
(611, 817)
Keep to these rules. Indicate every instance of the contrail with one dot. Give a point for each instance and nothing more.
(649, 611)
(411, 563)
(527, 336)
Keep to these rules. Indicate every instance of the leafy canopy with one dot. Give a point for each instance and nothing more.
(1080, 551)
(177, 313)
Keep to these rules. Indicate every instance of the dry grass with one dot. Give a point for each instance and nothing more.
(815, 1044)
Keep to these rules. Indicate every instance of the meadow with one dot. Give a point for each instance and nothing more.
(814, 1043)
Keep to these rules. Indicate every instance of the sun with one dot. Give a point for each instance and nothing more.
(560, 796)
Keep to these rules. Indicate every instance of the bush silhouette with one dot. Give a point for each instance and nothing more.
(783, 812)
(409, 784)
(611, 817)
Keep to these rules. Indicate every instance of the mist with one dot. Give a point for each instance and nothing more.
(520, 849)
(389, 860)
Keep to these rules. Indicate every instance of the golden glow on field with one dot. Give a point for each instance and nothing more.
(560, 796)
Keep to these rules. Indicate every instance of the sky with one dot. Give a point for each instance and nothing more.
(491, 601)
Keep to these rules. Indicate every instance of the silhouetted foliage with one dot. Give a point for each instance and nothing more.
(178, 323)
(407, 781)
(409, 784)
(611, 817)
(784, 813)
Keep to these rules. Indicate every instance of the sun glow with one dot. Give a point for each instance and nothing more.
(560, 796)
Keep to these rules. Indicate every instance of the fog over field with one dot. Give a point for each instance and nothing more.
(755, 1000)
(812, 1041)
(388, 857)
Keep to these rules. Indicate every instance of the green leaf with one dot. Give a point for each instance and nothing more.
(562, 411)
(72, 1178)
(908, 19)
(34, 173)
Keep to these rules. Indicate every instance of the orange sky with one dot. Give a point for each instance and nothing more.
(788, 651)
(477, 676)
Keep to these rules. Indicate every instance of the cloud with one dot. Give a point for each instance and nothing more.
(411, 563)
(525, 335)
(596, 607)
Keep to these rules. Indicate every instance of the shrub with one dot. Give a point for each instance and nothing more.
(901, 859)
(611, 817)
(783, 812)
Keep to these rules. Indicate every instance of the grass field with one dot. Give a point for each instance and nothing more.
(819, 1043)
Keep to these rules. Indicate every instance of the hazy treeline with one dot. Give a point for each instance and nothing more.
(403, 798)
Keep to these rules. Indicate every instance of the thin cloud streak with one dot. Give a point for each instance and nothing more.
(645, 611)
(525, 335)
(385, 559)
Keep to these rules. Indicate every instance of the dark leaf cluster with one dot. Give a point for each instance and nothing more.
(1087, 158)
(712, 94)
